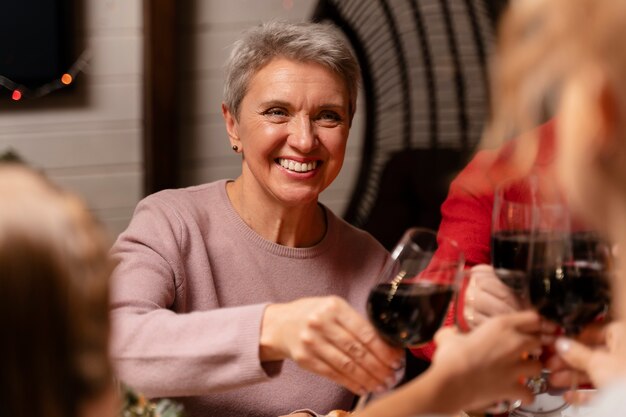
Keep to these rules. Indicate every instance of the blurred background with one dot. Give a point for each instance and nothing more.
(141, 111)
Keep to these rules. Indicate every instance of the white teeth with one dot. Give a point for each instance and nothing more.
(297, 166)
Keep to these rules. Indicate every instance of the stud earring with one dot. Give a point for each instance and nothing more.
(235, 148)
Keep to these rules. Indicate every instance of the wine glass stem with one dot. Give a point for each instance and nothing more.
(363, 399)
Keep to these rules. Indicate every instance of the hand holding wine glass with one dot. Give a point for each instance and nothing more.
(410, 303)
(487, 361)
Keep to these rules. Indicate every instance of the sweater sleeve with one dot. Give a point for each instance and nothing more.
(164, 353)
(466, 218)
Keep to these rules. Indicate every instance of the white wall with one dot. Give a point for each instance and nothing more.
(89, 139)
(212, 29)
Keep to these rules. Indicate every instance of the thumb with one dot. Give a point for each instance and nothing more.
(444, 334)
(575, 354)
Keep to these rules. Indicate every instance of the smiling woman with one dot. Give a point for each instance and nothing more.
(226, 285)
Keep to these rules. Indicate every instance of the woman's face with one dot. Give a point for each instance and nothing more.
(292, 127)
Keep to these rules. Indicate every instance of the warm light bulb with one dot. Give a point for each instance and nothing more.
(17, 94)
(66, 79)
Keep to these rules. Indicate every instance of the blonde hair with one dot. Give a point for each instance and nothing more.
(542, 43)
(53, 298)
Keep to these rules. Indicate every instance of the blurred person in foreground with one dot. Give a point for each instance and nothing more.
(564, 55)
(54, 273)
(247, 296)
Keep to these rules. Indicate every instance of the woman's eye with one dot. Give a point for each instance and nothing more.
(330, 116)
(275, 112)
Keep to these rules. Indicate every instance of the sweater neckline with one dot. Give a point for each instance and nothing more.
(271, 247)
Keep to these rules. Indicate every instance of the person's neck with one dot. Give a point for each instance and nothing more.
(297, 226)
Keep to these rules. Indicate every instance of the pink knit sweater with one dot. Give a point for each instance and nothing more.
(189, 293)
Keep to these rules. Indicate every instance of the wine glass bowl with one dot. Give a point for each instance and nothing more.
(526, 227)
(410, 303)
(415, 290)
(570, 285)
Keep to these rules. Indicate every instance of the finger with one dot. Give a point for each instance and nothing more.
(595, 334)
(364, 332)
(556, 364)
(513, 391)
(615, 336)
(525, 321)
(354, 358)
(491, 284)
(573, 353)
(564, 378)
(480, 318)
(579, 397)
(491, 305)
(445, 335)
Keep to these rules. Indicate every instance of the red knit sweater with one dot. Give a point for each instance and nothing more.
(466, 213)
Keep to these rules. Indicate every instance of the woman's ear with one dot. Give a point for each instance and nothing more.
(231, 126)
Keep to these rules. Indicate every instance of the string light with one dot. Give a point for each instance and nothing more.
(21, 91)
(66, 79)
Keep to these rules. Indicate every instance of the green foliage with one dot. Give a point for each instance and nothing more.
(136, 405)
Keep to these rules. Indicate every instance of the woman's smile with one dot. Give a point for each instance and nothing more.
(298, 166)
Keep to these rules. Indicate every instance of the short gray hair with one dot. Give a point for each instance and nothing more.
(318, 43)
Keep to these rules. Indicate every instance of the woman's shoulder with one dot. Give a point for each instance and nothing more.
(186, 199)
(182, 208)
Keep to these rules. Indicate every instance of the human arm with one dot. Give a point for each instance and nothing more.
(176, 331)
(469, 371)
(169, 336)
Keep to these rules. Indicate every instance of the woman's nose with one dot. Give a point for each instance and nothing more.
(302, 135)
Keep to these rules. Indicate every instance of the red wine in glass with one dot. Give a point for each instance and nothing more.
(415, 289)
(509, 256)
(408, 315)
(576, 292)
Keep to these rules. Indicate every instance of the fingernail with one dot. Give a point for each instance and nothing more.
(399, 364)
(563, 344)
(547, 339)
(390, 382)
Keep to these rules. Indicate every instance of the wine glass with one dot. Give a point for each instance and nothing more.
(529, 219)
(415, 289)
(568, 279)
